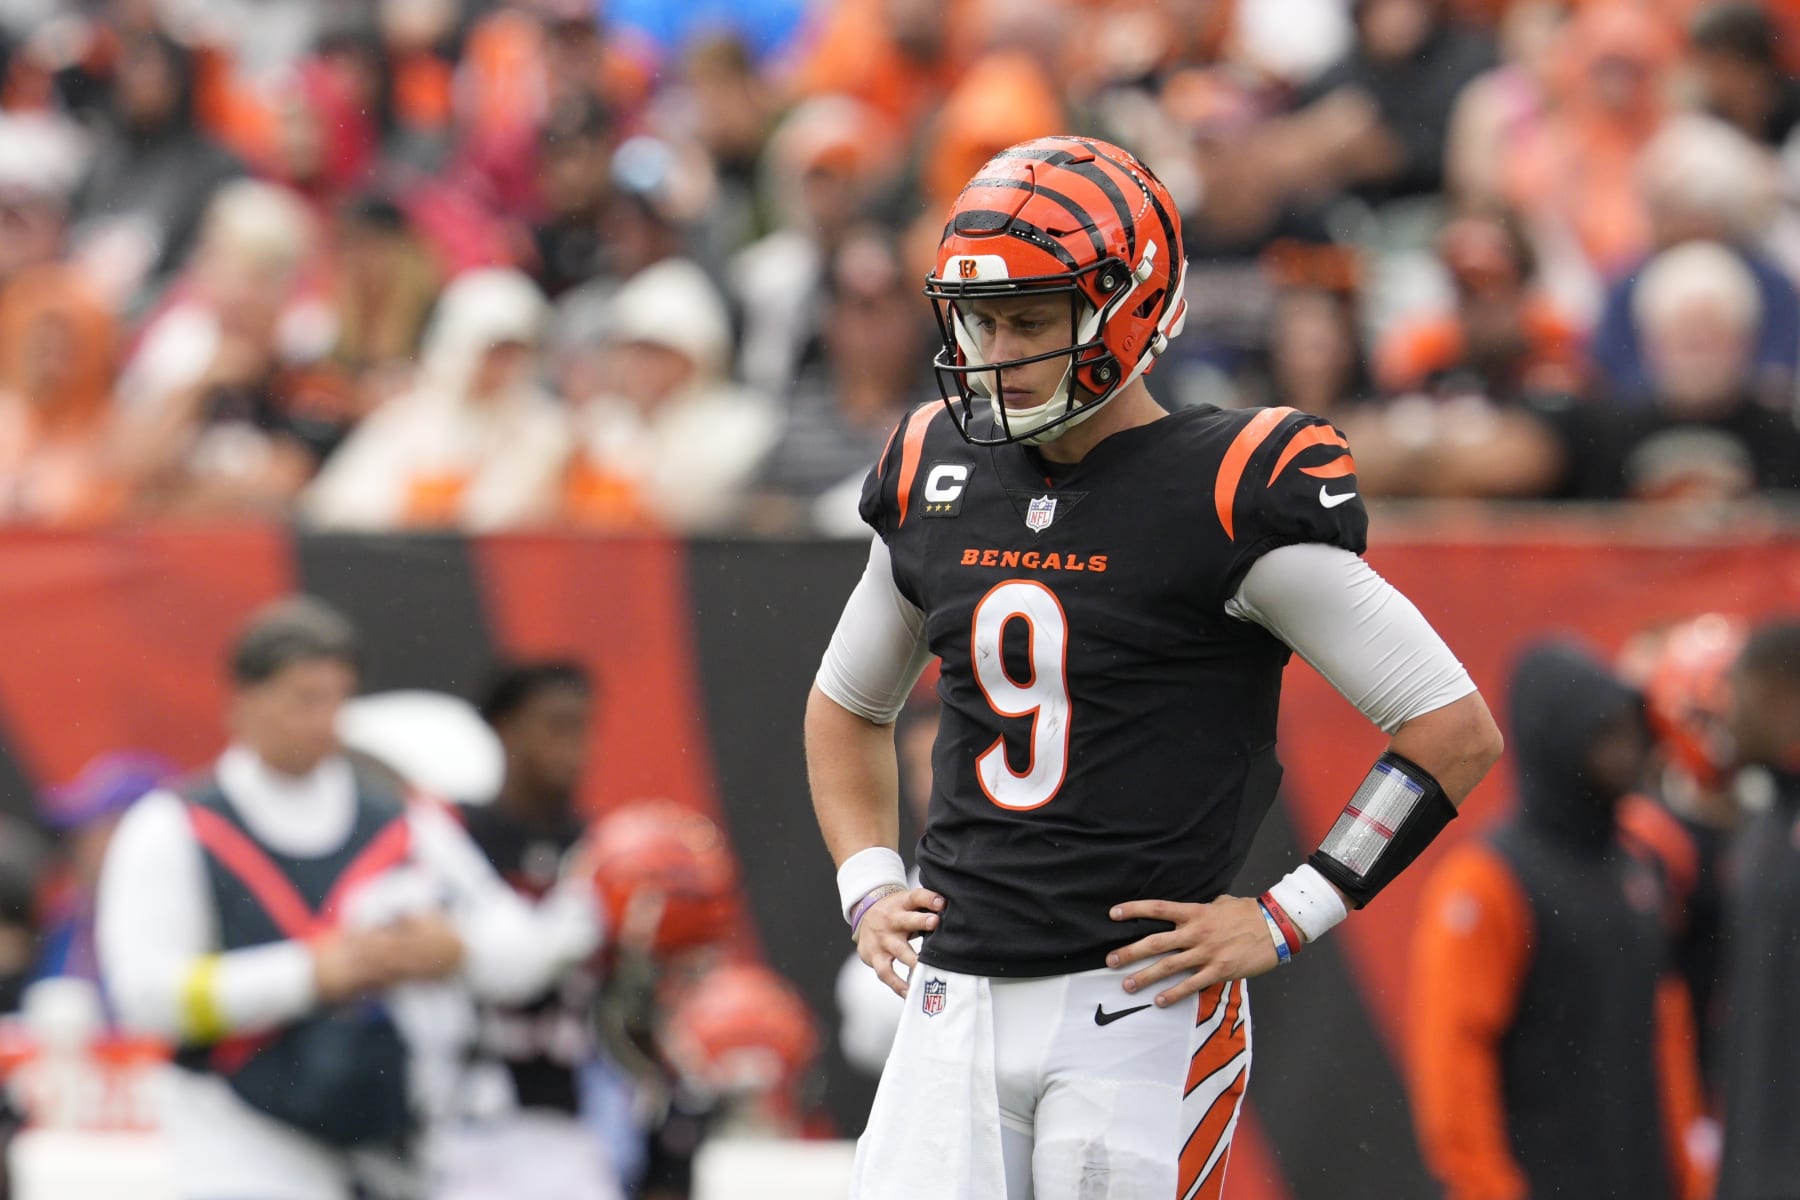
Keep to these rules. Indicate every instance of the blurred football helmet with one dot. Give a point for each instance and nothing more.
(1688, 694)
(657, 846)
(741, 1030)
(1059, 215)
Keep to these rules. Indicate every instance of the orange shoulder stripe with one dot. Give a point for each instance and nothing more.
(1306, 439)
(911, 447)
(1237, 457)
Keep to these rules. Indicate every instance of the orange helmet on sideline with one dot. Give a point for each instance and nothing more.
(657, 847)
(741, 1030)
(1688, 693)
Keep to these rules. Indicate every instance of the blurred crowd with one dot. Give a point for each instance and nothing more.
(630, 266)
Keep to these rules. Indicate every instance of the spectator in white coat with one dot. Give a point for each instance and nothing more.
(668, 442)
(476, 443)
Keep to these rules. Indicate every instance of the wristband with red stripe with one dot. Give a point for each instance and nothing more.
(1283, 955)
(1283, 922)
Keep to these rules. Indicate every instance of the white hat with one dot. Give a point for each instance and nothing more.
(673, 304)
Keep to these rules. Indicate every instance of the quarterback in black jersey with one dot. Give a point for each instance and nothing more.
(1113, 591)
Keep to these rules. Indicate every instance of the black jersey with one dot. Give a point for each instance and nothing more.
(544, 1042)
(1108, 732)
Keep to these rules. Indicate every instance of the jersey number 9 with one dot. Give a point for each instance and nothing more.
(1044, 697)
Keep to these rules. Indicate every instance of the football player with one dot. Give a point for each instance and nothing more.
(1113, 589)
(1689, 824)
(527, 1137)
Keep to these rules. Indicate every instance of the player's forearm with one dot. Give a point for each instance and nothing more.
(854, 775)
(1458, 743)
(1454, 745)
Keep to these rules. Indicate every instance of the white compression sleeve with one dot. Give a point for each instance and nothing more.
(878, 650)
(1355, 629)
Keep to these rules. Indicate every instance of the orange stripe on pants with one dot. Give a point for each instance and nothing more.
(1223, 1057)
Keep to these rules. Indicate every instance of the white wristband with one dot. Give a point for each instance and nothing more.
(1310, 902)
(865, 871)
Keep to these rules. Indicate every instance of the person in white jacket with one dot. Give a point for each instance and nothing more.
(476, 444)
(265, 916)
(667, 441)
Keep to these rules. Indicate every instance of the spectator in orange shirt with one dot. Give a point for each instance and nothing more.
(1006, 98)
(56, 369)
(901, 57)
(1500, 341)
(1575, 172)
(1553, 1051)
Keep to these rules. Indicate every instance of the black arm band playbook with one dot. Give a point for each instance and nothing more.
(1393, 816)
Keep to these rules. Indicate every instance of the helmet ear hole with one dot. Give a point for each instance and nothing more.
(1142, 312)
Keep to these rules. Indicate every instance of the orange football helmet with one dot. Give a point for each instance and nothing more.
(660, 847)
(1688, 693)
(741, 1030)
(1059, 215)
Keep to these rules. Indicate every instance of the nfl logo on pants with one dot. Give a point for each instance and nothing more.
(935, 991)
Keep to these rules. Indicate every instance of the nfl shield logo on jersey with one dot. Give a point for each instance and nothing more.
(935, 992)
(1041, 512)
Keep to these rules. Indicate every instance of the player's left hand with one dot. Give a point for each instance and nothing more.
(1226, 939)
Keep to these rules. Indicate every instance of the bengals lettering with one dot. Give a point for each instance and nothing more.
(1033, 560)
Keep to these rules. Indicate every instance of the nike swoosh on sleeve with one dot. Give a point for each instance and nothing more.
(1330, 500)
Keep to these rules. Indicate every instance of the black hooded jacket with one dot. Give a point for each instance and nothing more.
(1560, 702)
(1579, 1063)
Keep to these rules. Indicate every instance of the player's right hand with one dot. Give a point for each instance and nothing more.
(887, 929)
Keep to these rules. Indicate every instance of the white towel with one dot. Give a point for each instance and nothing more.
(934, 1129)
